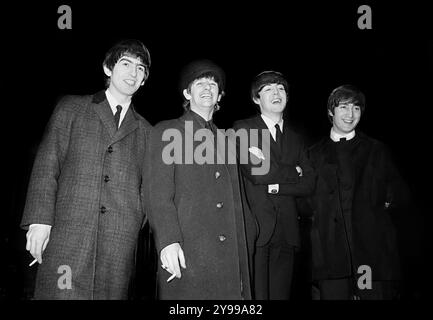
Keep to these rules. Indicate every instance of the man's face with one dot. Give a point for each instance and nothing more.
(127, 76)
(346, 117)
(204, 93)
(272, 98)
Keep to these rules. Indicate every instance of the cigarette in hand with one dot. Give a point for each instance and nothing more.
(171, 277)
(33, 262)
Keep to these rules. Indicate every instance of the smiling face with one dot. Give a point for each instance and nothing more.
(127, 75)
(203, 94)
(346, 117)
(272, 99)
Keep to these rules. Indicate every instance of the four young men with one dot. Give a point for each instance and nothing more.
(101, 171)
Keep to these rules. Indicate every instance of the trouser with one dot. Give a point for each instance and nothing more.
(273, 271)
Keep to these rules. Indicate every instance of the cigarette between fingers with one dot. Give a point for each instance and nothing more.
(171, 277)
(33, 262)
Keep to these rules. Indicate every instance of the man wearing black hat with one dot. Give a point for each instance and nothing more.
(196, 209)
(271, 197)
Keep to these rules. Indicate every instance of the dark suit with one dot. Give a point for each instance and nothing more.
(199, 206)
(87, 183)
(276, 214)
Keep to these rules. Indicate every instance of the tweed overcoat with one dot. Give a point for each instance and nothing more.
(199, 206)
(343, 240)
(87, 183)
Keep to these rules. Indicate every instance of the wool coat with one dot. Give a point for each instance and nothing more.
(199, 206)
(87, 183)
(282, 170)
(352, 223)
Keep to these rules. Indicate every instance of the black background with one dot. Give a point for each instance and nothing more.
(318, 46)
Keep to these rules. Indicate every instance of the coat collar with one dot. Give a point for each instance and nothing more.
(103, 110)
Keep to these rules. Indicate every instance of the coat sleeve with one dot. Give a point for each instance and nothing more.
(398, 194)
(42, 190)
(163, 216)
(278, 172)
(306, 183)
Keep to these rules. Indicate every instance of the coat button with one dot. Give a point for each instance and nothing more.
(110, 149)
(106, 178)
(220, 205)
(217, 175)
(221, 238)
(335, 220)
(103, 209)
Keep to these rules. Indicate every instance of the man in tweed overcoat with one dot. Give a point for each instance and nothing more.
(196, 209)
(84, 206)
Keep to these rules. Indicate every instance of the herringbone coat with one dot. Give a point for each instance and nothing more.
(87, 182)
(199, 206)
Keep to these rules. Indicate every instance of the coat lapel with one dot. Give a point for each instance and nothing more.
(103, 110)
(329, 171)
(129, 124)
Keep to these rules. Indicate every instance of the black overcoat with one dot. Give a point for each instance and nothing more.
(343, 240)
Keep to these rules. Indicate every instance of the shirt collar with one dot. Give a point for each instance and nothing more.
(271, 123)
(112, 101)
(337, 136)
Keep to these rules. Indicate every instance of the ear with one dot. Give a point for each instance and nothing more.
(256, 100)
(107, 71)
(142, 83)
(330, 113)
(219, 97)
(186, 94)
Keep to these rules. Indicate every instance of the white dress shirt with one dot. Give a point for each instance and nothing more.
(113, 104)
(271, 125)
(337, 136)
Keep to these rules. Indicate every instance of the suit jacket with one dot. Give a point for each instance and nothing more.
(344, 239)
(87, 183)
(282, 170)
(199, 206)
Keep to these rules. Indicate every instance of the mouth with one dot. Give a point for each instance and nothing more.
(348, 121)
(276, 100)
(206, 96)
(130, 82)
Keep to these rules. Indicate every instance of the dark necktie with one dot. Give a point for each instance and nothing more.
(278, 136)
(209, 125)
(117, 116)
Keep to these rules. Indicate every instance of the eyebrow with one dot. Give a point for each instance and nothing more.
(129, 60)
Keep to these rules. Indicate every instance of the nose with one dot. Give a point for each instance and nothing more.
(134, 71)
(350, 111)
(207, 85)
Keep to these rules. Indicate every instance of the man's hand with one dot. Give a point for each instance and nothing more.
(171, 255)
(37, 240)
(299, 169)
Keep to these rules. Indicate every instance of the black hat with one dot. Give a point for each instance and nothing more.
(199, 69)
(267, 77)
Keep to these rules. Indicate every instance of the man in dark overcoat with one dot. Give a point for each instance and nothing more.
(196, 210)
(271, 195)
(355, 254)
(85, 201)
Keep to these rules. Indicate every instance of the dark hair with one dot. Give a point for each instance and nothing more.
(129, 47)
(346, 93)
(267, 77)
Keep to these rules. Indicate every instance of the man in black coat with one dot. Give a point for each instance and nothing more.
(196, 208)
(271, 196)
(353, 239)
